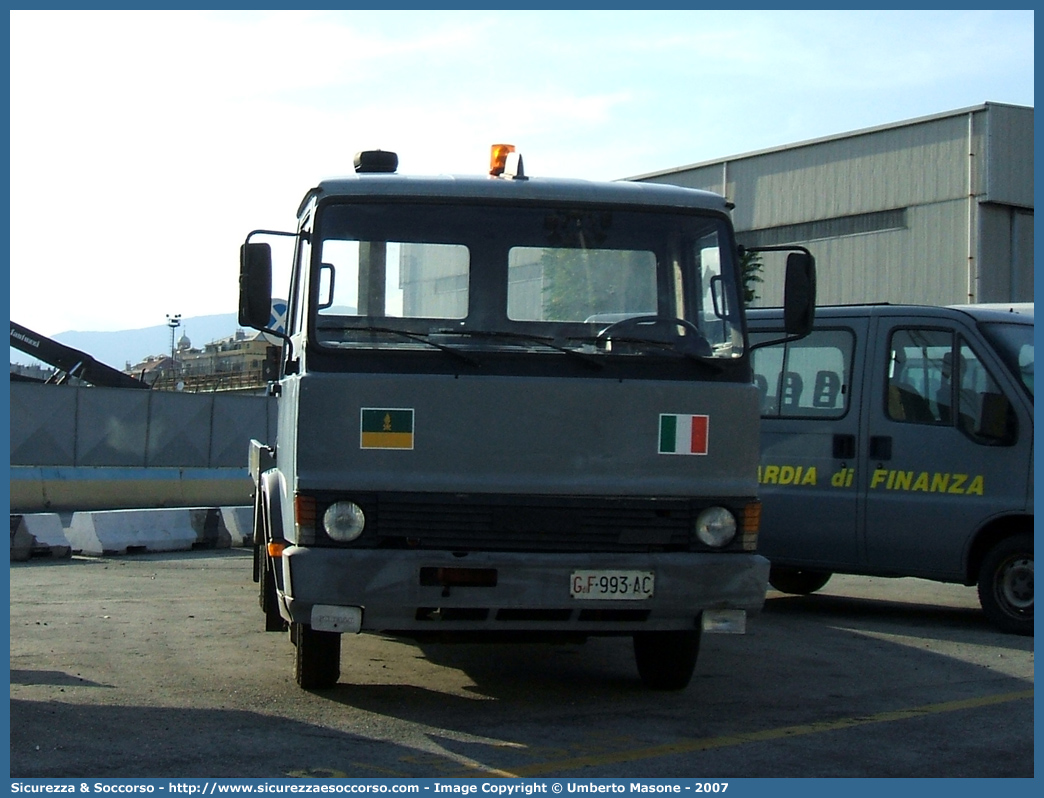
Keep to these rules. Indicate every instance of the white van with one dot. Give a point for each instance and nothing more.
(898, 441)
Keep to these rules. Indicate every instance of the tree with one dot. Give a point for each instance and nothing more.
(582, 282)
(750, 273)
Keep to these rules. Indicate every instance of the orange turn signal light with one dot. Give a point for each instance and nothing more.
(305, 510)
(275, 549)
(750, 525)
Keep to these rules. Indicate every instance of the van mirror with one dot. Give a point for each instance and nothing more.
(255, 285)
(799, 294)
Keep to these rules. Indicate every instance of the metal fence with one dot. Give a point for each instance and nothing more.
(86, 426)
(92, 448)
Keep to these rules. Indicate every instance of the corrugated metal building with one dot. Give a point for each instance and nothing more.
(935, 210)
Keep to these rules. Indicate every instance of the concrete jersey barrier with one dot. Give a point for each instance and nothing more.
(108, 532)
(38, 535)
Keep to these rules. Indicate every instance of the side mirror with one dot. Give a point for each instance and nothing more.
(799, 294)
(255, 285)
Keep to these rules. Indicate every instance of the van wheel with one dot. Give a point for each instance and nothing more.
(1006, 585)
(317, 659)
(666, 660)
(797, 581)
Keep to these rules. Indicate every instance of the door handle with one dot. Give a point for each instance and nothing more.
(844, 447)
(880, 447)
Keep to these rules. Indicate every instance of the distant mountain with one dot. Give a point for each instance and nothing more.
(117, 349)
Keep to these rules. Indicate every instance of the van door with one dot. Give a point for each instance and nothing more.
(946, 448)
(809, 442)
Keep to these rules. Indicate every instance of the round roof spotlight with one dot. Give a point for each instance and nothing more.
(376, 161)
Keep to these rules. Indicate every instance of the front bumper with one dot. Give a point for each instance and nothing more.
(531, 591)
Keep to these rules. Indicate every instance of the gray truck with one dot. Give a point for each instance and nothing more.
(898, 441)
(509, 408)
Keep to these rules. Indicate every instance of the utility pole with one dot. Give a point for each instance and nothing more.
(173, 322)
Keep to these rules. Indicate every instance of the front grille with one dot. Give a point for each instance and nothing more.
(565, 524)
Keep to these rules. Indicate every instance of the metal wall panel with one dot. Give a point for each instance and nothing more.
(111, 426)
(237, 419)
(892, 168)
(1022, 257)
(1006, 254)
(119, 428)
(179, 430)
(43, 424)
(1010, 156)
(907, 265)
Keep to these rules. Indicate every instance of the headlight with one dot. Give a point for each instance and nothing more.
(344, 521)
(716, 527)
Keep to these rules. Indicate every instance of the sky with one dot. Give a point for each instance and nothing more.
(145, 145)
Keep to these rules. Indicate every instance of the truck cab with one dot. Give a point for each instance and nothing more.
(898, 441)
(509, 408)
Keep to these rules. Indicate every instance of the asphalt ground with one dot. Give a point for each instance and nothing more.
(157, 666)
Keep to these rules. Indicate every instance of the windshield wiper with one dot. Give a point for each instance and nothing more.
(421, 337)
(536, 339)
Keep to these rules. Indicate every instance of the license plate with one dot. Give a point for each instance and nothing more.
(620, 585)
(328, 618)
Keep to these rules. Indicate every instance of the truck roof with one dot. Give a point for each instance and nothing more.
(533, 189)
(1016, 312)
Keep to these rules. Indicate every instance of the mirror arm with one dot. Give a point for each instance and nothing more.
(253, 233)
(740, 248)
(775, 342)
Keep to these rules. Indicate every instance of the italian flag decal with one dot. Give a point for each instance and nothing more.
(386, 428)
(683, 434)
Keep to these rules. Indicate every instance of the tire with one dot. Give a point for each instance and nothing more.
(666, 660)
(1006, 585)
(797, 581)
(317, 659)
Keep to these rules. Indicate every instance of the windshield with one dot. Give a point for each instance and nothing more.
(1014, 343)
(533, 276)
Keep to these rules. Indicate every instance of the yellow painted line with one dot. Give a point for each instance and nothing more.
(742, 738)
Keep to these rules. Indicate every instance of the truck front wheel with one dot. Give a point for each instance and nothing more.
(1006, 585)
(666, 660)
(317, 659)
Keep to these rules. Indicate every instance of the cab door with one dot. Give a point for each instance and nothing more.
(810, 444)
(946, 448)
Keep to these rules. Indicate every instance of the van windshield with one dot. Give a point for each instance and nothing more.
(1014, 343)
(510, 276)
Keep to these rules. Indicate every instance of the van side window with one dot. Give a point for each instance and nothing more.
(920, 377)
(807, 378)
(984, 413)
(934, 377)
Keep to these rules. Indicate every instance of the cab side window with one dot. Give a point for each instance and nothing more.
(936, 378)
(807, 378)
